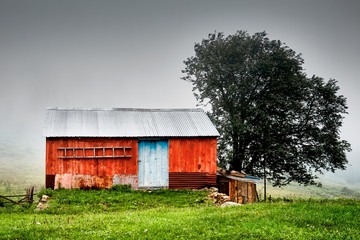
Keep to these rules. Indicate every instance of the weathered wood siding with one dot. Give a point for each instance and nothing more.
(71, 172)
(238, 191)
(192, 155)
(192, 162)
(242, 192)
(153, 164)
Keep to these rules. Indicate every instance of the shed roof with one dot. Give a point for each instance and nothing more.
(128, 122)
(235, 175)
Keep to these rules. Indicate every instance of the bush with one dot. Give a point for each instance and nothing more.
(121, 188)
(46, 191)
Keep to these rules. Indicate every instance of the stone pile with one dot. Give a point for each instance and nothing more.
(221, 198)
(43, 203)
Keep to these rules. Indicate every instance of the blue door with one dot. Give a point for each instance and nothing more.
(153, 164)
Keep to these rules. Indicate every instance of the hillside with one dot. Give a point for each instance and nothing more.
(331, 188)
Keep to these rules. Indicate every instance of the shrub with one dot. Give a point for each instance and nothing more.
(46, 191)
(121, 188)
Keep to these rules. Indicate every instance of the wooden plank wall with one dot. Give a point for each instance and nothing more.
(153, 164)
(98, 167)
(242, 192)
(192, 162)
(192, 155)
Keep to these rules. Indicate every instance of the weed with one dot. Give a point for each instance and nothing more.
(121, 188)
(45, 191)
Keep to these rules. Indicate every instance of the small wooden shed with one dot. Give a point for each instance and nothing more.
(146, 148)
(241, 188)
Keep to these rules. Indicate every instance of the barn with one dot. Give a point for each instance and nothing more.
(145, 148)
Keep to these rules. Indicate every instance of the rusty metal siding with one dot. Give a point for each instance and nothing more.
(122, 122)
(191, 180)
(193, 155)
(92, 181)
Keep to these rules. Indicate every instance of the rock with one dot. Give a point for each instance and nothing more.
(229, 203)
(43, 203)
(213, 195)
(41, 206)
(226, 198)
(44, 198)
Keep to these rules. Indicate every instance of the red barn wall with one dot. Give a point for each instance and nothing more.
(88, 173)
(192, 162)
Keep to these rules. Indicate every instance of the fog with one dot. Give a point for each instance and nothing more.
(130, 54)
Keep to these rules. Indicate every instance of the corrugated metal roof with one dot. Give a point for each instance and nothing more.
(127, 122)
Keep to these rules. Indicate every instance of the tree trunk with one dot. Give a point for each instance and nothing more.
(238, 155)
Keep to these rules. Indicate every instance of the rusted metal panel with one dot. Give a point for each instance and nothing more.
(93, 182)
(211, 179)
(191, 180)
(127, 122)
(192, 155)
(63, 181)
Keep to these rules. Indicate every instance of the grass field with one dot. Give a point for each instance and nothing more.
(124, 214)
(167, 214)
(328, 190)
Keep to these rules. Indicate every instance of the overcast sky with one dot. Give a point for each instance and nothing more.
(130, 54)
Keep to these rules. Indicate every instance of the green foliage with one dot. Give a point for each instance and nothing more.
(121, 188)
(271, 117)
(45, 191)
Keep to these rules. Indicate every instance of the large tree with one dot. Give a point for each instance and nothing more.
(273, 119)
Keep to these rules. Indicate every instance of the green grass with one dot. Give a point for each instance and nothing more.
(169, 214)
(78, 201)
(75, 201)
